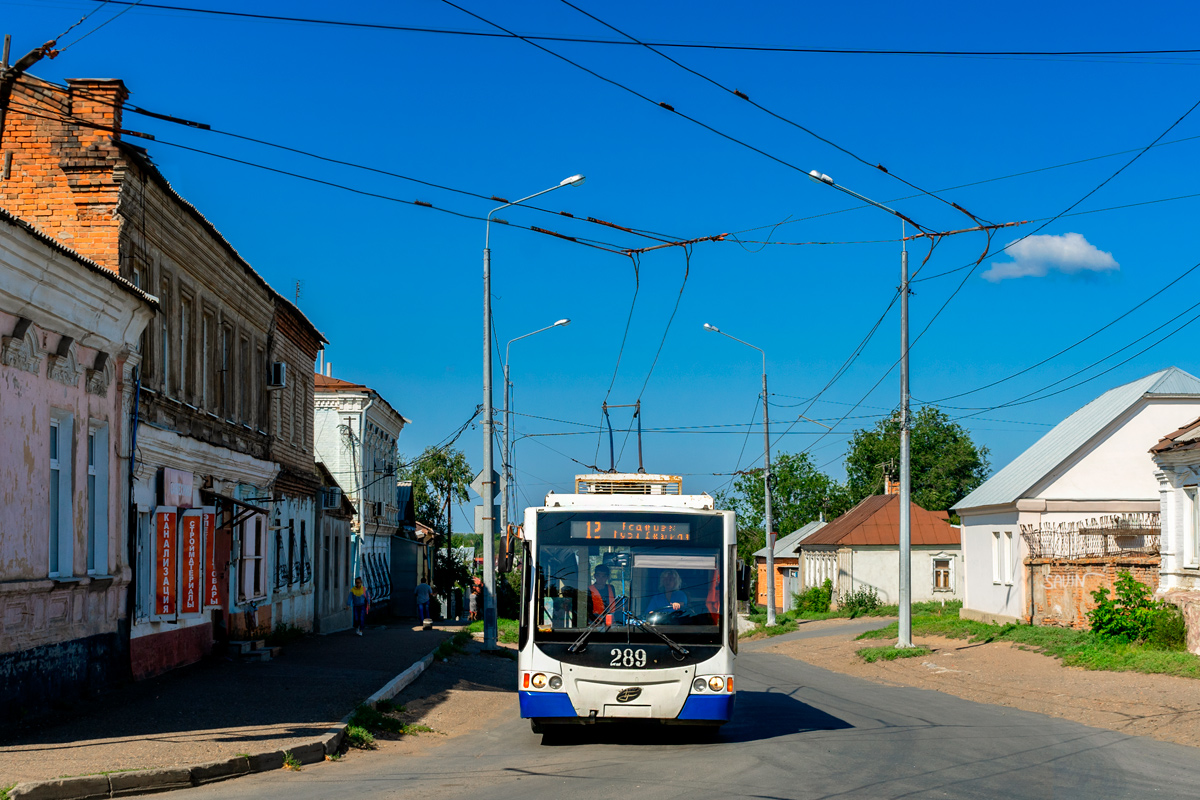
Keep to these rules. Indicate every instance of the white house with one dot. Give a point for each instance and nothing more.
(860, 550)
(1178, 458)
(1095, 463)
(355, 437)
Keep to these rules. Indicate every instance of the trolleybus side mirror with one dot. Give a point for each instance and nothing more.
(743, 581)
(506, 549)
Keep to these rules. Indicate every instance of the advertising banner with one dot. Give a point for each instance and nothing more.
(191, 564)
(165, 565)
(208, 526)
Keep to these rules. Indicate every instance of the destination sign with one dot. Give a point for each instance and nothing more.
(631, 531)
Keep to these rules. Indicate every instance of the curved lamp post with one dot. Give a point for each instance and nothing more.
(489, 486)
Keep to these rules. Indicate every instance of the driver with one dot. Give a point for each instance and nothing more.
(600, 593)
(669, 596)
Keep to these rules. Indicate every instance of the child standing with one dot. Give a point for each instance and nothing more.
(360, 600)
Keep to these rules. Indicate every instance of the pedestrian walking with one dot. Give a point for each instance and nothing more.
(359, 599)
(473, 603)
(423, 592)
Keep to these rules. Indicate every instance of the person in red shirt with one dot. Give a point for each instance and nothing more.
(600, 593)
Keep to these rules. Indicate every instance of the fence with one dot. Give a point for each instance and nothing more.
(1099, 537)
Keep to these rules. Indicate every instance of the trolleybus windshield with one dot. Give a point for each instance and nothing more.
(660, 568)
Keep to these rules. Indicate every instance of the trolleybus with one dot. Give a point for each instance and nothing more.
(628, 608)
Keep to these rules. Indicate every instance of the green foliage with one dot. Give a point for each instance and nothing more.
(1132, 615)
(815, 599)
(290, 761)
(946, 463)
(434, 474)
(359, 737)
(860, 602)
(389, 707)
(873, 654)
(413, 730)
(1075, 648)
(508, 595)
(373, 720)
(284, 634)
(508, 629)
(800, 493)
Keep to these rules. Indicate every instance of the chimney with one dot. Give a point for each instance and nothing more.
(890, 486)
(99, 101)
(328, 369)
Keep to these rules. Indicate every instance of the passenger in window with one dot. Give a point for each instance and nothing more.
(669, 596)
(600, 593)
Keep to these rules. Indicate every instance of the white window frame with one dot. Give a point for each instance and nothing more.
(97, 499)
(253, 562)
(60, 527)
(1008, 558)
(1191, 539)
(997, 573)
(933, 570)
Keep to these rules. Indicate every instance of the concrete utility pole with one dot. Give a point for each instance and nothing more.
(768, 517)
(905, 633)
(488, 494)
(507, 495)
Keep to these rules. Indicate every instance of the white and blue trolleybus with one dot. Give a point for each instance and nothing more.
(630, 589)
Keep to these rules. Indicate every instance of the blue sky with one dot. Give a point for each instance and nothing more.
(397, 291)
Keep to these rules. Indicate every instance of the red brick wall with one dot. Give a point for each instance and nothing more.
(62, 179)
(1062, 590)
(154, 654)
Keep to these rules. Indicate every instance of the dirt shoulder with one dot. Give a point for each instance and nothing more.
(1158, 706)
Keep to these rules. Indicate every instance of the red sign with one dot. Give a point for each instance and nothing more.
(208, 525)
(191, 564)
(165, 568)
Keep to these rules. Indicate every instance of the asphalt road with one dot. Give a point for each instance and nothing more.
(799, 732)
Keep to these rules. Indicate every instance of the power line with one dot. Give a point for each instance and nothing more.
(684, 45)
(102, 24)
(760, 107)
(643, 97)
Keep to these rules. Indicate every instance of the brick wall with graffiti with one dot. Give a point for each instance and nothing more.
(1062, 590)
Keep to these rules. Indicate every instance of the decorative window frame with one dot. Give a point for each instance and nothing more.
(933, 560)
(1191, 528)
(21, 350)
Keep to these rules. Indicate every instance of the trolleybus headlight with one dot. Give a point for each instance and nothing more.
(538, 681)
(716, 682)
(555, 682)
(699, 685)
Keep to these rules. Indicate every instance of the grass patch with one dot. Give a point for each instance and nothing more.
(284, 634)
(333, 756)
(1075, 648)
(788, 622)
(371, 719)
(508, 630)
(412, 730)
(389, 707)
(360, 738)
(452, 646)
(4, 790)
(290, 761)
(873, 654)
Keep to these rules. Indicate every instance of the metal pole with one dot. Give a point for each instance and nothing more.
(769, 521)
(905, 638)
(489, 488)
(505, 470)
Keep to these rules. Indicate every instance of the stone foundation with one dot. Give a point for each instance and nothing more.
(1189, 604)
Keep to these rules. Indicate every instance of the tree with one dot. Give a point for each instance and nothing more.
(436, 475)
(800, 493)
(946, 465)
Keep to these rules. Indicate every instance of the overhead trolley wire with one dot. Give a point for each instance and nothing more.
(684, 45)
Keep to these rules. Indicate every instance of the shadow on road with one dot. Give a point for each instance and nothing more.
(758, 716)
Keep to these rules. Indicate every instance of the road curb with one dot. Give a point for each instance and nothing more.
(152, 781)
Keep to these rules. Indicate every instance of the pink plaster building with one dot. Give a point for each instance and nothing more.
(69, 332)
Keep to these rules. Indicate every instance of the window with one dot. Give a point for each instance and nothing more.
(346, 581)
(166, 354)
(226, 383)
(186, 361)
(305, 575)
(246, 380)
(206, 361)
(97, 500)
(1191, 545)
(254, 560)
(291, 552)
(943, 574)
(143, 601)
(997, 564)
(55, 491)
(1008, 558)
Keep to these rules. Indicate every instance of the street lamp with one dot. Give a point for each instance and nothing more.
(767, 520)
(506, 453)
(905, 633)
(489, 486)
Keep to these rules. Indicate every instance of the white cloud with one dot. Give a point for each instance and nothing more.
(1036, 256)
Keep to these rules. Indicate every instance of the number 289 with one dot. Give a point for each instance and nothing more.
(627, 657)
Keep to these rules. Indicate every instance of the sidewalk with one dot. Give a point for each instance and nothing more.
(218, 709)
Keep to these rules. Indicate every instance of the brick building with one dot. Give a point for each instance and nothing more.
(209, 423)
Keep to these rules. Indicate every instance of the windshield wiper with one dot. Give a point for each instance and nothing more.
(580, 644)
(648, 628)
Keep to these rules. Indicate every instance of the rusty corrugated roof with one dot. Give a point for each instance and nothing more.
(876, 521)
(1185, 438)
